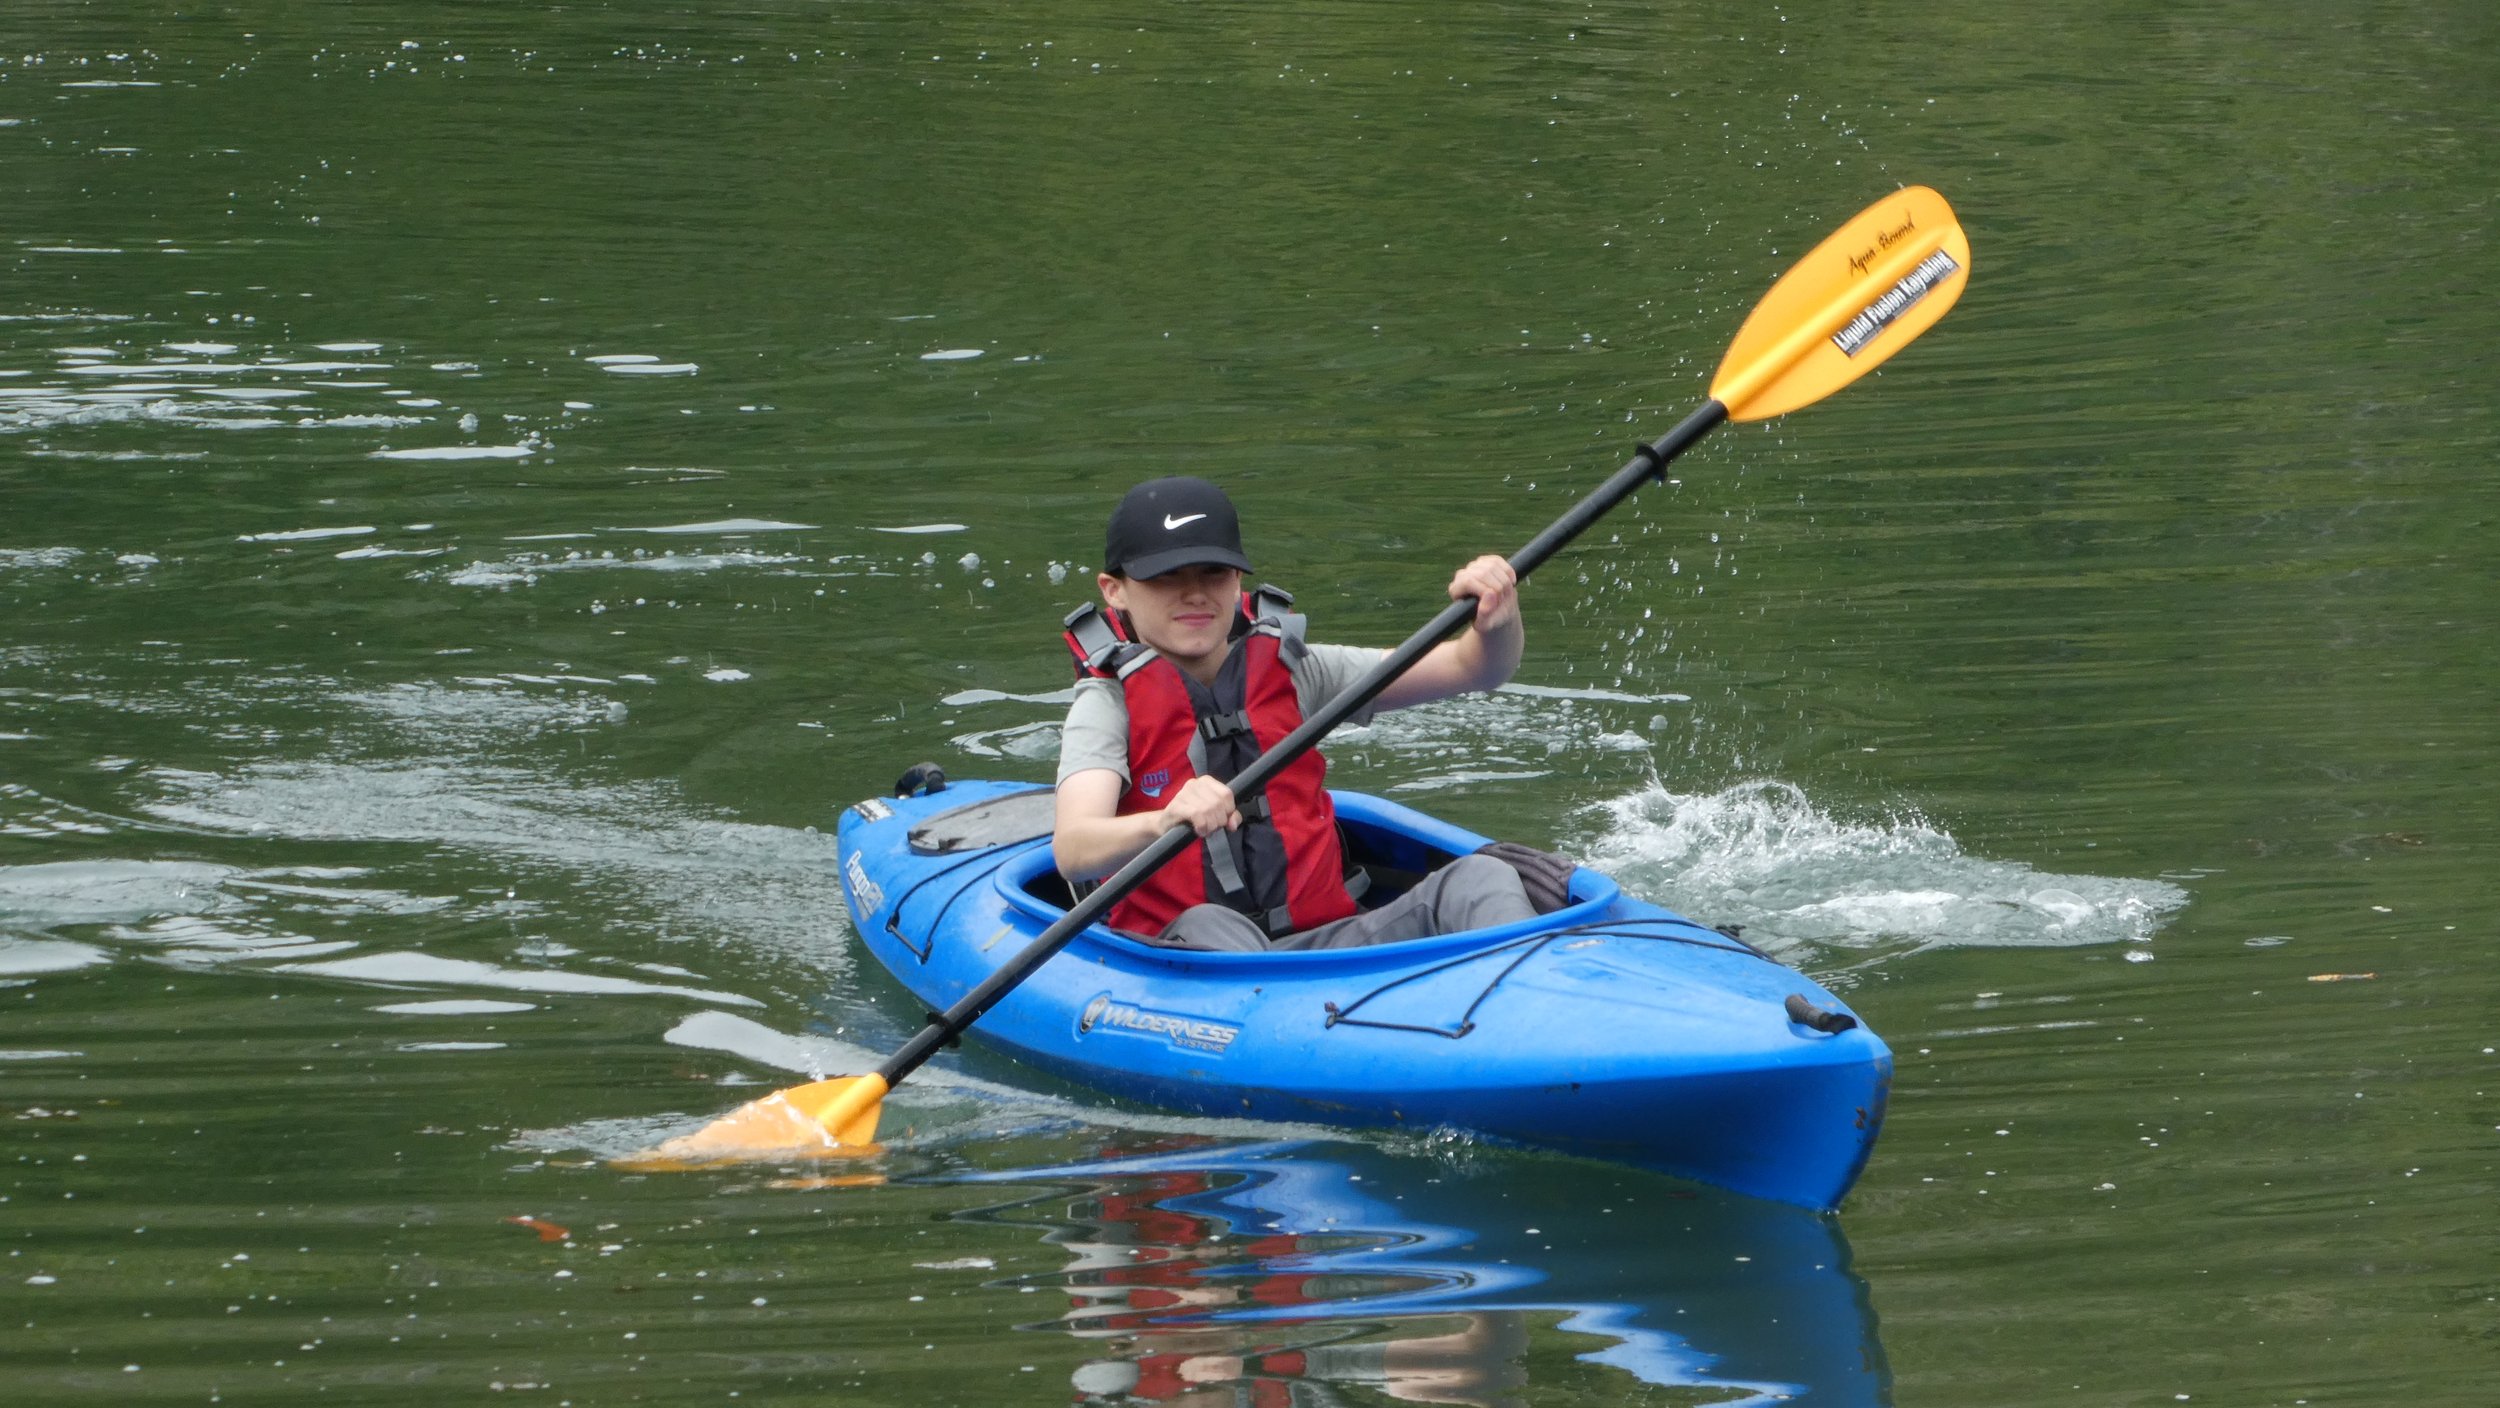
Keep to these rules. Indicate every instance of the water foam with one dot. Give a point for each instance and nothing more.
(463, 452)
(947, 1104)
(24, 957)
(34, 559)
(1761, 854)
(653, 864)
(524, 569)
(406, 969)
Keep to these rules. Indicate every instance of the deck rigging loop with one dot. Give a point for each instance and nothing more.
(1531, 945)
(928, 931)
(1466, 1020)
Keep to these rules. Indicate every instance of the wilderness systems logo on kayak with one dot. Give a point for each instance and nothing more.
(1897, 300)
(1190, 1033)
(865, 896)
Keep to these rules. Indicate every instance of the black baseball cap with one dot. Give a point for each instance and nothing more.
(1165, 524)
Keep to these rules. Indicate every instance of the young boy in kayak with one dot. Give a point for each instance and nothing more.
(1184, 681)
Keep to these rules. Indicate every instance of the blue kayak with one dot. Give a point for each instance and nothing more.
(1608, 1027)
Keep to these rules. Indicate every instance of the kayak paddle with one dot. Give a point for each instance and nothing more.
(1837, 314)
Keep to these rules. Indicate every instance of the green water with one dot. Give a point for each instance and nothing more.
(420, 730)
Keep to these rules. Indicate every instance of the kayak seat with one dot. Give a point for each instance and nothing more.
(1394, 862)
(1382, 864)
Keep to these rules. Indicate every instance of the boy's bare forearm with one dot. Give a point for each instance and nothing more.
(1088, 841)
(1093, 847)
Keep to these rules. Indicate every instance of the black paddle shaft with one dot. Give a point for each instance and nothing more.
(1647, 463)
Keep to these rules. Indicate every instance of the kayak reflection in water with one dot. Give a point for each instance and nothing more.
(1478, 1365)
(1158, 1281)
(1307, 1275)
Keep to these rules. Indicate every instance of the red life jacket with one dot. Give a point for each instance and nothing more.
(1283, 867)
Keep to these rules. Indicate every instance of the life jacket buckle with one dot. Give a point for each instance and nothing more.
(1215, 728)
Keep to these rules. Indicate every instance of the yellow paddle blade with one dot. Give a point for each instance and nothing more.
(1854, 300)
(828, 1118)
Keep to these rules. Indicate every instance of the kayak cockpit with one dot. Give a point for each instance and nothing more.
(1393, 846)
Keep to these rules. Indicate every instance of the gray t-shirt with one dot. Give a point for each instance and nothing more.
(1096, 733)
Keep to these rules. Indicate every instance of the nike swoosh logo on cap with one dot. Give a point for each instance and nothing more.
(1182, 522)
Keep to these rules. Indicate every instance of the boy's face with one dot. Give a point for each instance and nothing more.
(1187, 613)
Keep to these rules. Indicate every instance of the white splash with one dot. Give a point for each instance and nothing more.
(1762, 855)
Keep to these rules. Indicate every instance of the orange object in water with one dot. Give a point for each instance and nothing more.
(826, 1118)
(547, 1231)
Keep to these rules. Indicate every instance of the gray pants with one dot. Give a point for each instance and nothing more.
(1472, 892)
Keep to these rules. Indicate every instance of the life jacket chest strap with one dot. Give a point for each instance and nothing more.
(1215, 728)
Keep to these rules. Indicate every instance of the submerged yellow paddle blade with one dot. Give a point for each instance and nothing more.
(826, 1118)
(1854, 300)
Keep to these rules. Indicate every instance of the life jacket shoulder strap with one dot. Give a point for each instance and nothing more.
(1270, 610)
(1102, 649)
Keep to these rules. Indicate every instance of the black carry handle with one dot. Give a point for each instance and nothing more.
(921, 777)
(1806, 1014)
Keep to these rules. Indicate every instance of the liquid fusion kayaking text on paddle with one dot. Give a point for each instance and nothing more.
(1900, 299)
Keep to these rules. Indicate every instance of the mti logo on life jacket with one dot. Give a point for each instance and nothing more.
(1153, 783)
